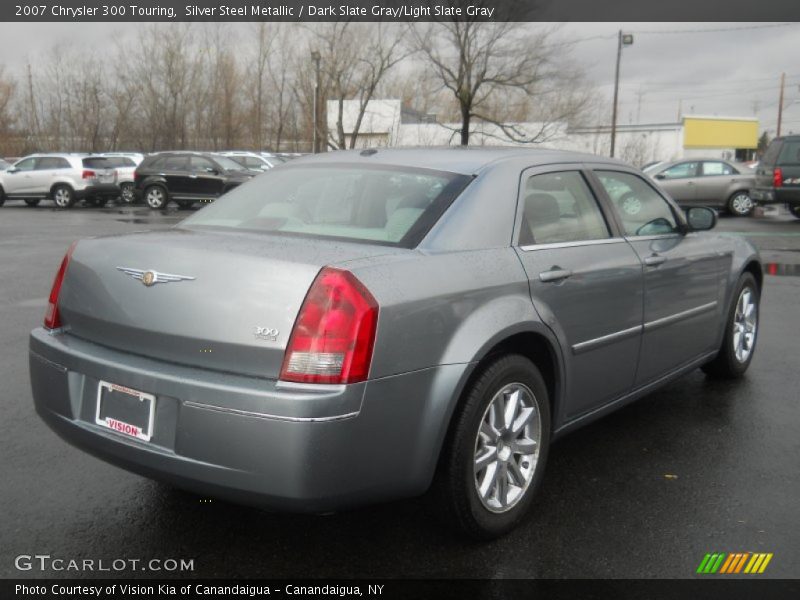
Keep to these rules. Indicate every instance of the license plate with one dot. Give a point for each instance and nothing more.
(126, 411)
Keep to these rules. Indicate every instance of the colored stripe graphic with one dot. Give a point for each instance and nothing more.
(727, 564)
(741, 562)
(715, 567)
(764, 564)
(734, 563)
(704, 563)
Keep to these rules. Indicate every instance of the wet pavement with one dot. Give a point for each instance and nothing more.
(699, 466)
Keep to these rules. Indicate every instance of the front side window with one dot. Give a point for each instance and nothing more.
(387, 205)
(680, 171)
(200, 163)
(52, 162)
(26, 164)
(560, 207)
(640, 208)
(712, 168)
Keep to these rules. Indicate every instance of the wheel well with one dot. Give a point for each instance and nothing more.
(755, 269)
(60, 184)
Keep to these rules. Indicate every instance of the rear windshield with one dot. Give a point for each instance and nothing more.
(384, 205)
(790, 153)
(96, 162)
(228, 164)
(120, 161)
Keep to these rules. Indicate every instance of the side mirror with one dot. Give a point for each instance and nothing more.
(661, 176)
(212, 171)
(12, 170)
(701, 218)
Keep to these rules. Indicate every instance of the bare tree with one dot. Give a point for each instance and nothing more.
(7, 120)
(498, 69)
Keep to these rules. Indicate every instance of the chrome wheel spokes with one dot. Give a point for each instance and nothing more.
(745, 325)
(507, 447)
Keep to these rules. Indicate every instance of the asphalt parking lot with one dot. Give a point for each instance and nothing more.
(700, 466)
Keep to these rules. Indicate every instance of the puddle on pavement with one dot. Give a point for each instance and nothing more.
(782, 270)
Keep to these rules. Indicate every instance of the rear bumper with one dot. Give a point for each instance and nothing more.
(297, 448)
(100, 190)
(782, 195)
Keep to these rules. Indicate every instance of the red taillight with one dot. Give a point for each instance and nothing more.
(87, 174)
(777, 177)
(52, 320)
(334, 334)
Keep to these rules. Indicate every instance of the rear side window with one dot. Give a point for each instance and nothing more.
(97, 162)
(560, 207)
(385, 205)
(175, 163)
(711, 168)
(790, 153)
(641, 209)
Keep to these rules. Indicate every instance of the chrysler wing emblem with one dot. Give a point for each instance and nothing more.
(150, 277)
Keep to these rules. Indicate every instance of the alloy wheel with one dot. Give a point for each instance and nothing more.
(742, 204)
(62, 197)
(507, 448)
(745, 324)
(127, 193)
(155, 197)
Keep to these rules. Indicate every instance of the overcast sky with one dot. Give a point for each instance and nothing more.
(729, 73)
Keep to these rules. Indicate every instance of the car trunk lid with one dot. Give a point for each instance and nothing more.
(225, 301)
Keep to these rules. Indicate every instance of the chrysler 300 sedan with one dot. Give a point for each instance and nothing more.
(355, 327)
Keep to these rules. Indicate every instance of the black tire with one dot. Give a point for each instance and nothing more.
(185, 203)
(728, 364)
(2, 197)
(127, 193)
(32, 201)
(795, 210)
(458, 478)
(740, 204)
(156, 197)
(63, 196)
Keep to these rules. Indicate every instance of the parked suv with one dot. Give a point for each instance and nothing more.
(253, 161)
(125, 163)
(186, 178)
(778, 174)
(64, 178)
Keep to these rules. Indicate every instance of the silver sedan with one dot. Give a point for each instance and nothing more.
(354, 327)
(707, 182)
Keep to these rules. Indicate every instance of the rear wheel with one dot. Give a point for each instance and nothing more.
(127, 193)
(32, 201)
(494, 461)
(63, 196)
(740, 204)
(741, 333)
(156, 197)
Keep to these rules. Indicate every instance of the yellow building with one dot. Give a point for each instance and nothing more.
(735, 134)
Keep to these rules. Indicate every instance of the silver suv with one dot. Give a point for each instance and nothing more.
(64, 178)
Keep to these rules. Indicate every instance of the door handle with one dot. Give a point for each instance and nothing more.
(655, 260)
(555, 274)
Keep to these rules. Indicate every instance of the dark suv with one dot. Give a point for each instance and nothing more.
(186, 178)
(778, 174)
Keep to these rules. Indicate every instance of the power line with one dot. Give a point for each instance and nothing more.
(714, 29)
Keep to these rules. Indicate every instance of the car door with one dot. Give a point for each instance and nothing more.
(206, 177)
(715, 180)
(682, 279)
(19, 179)
(177, 175)
(585, 282)
(680, 181)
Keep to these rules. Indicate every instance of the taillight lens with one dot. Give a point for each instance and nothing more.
(87, 174)
(52, 319)
(777, 177)
(334, 335)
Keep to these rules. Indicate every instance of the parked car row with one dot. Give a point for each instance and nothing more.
(157, 179)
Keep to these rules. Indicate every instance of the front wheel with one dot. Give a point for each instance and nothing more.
(63, 196)
(494, 462)
(127, 193)
(741, 333)
(740, 204)
(156, 197)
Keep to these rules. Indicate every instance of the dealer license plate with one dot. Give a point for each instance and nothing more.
(125, 410)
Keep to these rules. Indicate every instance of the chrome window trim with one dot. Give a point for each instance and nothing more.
(669, 320)
(616, 336)
(555, 245)
(645, 238)
(259, 415)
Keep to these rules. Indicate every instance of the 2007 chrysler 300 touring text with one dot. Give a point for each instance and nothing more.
(347, 328)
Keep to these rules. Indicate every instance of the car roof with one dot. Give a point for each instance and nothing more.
(454, 159)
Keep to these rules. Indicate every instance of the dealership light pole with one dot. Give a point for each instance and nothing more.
(315, 56)
(623, 39)
(780, 104)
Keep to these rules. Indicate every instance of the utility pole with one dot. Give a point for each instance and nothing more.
(622, 40)
(780, 104)
(315, 56)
